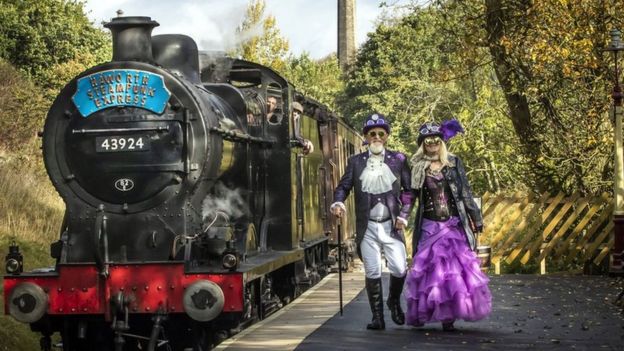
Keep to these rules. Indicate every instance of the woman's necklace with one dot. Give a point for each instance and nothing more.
(434, 171)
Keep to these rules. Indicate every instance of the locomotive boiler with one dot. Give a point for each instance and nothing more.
(189, 213)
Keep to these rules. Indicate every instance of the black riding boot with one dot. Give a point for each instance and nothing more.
(394, 299)
(375, 298)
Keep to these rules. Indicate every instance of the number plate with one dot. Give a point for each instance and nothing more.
(122, 143)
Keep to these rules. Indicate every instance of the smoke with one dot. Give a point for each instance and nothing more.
(212, 24)
(224, 200)
(220, 30)
(228, 38)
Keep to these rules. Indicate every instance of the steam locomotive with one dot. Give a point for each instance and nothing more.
(189, 214)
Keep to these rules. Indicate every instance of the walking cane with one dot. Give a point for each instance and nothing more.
(340, 261)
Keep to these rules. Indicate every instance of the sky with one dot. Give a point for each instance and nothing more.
(309, 25)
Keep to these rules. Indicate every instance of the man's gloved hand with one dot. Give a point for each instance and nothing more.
(308, 147)
(338, 209)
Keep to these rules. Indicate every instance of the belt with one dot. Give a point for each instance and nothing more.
(379, 220)
(433, 217)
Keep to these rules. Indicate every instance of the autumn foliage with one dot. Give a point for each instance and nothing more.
(535, 69)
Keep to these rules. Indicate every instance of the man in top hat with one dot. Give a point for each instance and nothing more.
(300, 141)
(380, 179)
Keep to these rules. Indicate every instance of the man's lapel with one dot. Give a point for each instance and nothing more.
(389, 160)
(361, 164)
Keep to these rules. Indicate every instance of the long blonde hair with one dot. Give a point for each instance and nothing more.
(420, 161)
(443, 152)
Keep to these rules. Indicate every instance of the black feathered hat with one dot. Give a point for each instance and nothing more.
(446, 130)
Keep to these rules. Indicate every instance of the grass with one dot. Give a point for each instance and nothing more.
(30, 214)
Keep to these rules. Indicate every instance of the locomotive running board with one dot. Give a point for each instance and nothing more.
(266, 262)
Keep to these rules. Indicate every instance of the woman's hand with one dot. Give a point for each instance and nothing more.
(400, 224)
(476, 228)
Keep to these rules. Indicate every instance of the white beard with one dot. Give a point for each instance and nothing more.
(376, 148)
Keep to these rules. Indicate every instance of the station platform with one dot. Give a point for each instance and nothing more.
(553, 312)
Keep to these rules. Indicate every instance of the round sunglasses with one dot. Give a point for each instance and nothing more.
(433, 141)
(374, 134)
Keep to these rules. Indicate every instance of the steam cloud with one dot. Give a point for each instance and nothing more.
(226, 200)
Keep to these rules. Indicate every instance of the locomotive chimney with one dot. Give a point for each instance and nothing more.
(132, 38)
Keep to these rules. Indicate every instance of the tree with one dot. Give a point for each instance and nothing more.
(22, 109)
(321, 80)
(268, 47)
(536, 68)
(42, 36)
(264, 44)
(409, 71)
(549, 62)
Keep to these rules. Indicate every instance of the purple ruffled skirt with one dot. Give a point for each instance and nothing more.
(445, 282)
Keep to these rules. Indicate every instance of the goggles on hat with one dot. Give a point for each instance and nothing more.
(371, 122)
(429, 128)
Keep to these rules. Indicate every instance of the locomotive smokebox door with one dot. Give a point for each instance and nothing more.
(129, 133)
(131, 138)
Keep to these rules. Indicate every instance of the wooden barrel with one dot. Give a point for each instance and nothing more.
(484, 253)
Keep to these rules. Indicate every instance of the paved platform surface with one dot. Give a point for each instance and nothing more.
(555, 312)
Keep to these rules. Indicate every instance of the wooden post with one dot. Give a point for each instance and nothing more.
(543, 261)
(617, 253)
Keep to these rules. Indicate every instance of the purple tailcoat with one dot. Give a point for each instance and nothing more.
(399, 200)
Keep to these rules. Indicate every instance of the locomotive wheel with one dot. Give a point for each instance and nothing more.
(220, 336)
(202, 338)
(97, 337)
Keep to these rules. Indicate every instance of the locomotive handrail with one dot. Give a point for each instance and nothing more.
(119, 130)
(238, 136)
(101, 238)
(151, 167)
(148, 117)
(187, 136)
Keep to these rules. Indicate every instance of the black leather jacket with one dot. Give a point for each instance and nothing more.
(455, 175)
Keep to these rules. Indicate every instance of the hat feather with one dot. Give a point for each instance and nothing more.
(450, 128)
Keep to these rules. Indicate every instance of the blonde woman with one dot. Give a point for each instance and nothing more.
(444, 282)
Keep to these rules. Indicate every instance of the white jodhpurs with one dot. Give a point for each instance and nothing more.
(376, 238)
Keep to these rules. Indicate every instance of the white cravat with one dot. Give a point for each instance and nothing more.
(377, 178)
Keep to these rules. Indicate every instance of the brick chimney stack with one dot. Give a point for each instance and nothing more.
(346, 33)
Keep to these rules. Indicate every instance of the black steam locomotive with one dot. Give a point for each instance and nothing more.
(189, 213)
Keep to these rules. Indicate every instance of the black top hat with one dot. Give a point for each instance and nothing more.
(376, 120)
